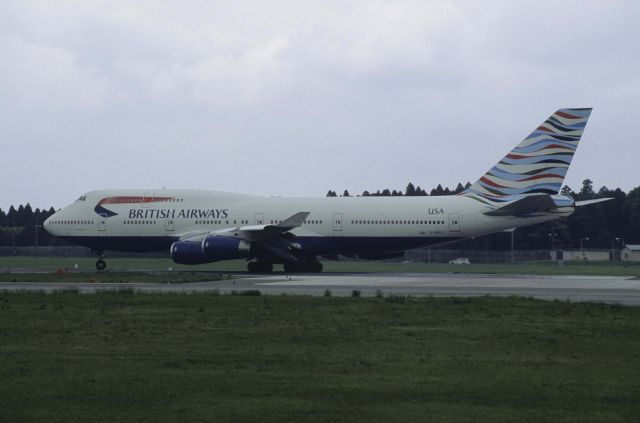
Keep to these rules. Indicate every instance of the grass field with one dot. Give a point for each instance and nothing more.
(167, 357)
(86, 264)
(110, 277)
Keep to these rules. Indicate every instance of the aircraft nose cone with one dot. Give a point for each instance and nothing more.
(48, 223)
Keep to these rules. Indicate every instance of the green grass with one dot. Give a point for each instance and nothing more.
(169, 357)
(110, 277)
(87, 264)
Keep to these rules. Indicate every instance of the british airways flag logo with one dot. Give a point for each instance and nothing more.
(101, 210)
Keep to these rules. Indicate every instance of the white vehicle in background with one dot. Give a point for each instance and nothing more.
(460, 260)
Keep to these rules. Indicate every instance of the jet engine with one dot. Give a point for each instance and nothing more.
(210, 249)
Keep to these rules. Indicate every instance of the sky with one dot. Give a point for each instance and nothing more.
(294, 98)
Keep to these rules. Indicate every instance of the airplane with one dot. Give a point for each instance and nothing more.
(198, 226)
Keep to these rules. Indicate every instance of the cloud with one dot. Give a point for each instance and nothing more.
(46, 77)
(394, 90)
(230, 79)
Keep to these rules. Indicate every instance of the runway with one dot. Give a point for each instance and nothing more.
(608, 289)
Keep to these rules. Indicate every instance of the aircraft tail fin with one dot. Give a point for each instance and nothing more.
(538, 164)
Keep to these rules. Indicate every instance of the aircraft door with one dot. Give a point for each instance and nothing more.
(169, 225)
(102, 225)
(454, 222)
(259, 219)
(337, 222)
(146, 199)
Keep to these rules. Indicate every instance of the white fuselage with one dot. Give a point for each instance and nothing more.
(146, 220)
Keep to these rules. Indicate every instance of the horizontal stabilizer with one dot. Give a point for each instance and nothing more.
(528, 204)
(587, 202)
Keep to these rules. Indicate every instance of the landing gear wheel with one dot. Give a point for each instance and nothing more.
(101, 264)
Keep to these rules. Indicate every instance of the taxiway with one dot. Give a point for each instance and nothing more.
(608, 289)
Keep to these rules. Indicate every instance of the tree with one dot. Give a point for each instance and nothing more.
(345, 193)
(586, 192)
(437, 190)
(632, 216)
(11, 216)
(566, 190)
(411, 190)
(614, 211)
(420, 191)
(459, 188)
(331, 194)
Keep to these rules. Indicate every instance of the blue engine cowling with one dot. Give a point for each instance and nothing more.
(188, 252)
(210, 249)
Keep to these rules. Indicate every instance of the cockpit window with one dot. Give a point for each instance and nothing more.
(82, 198)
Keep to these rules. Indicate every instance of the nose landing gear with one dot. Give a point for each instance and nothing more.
(101, 264)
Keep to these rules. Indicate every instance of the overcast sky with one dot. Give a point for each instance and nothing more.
(296, 98)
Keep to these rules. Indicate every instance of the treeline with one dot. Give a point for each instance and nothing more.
(409, 191)
(606, 225)
(18, 227)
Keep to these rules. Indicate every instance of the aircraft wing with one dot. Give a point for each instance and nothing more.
(252, 232)
(286, 225)
(270, 238)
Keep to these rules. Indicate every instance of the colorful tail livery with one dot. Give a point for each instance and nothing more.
(538, 164)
